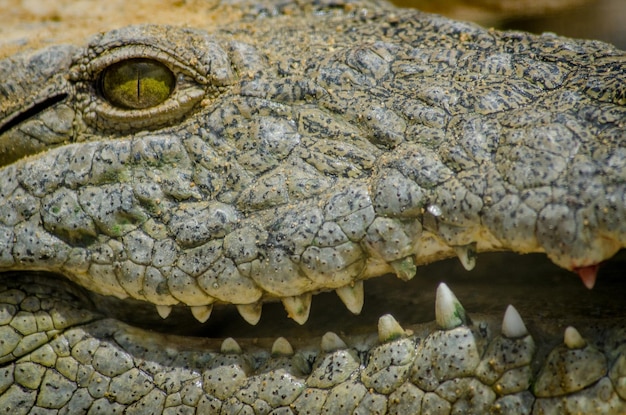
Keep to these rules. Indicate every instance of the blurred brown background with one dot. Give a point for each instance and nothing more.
(36, 23)
(590, 19)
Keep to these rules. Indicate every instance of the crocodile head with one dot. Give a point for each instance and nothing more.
(160, 174)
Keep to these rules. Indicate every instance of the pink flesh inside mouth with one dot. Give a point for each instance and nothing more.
(588, 274)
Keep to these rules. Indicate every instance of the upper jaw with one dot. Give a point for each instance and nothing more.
(193, 213)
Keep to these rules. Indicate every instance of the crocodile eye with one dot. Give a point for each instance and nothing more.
(147, 77)
(137, 83)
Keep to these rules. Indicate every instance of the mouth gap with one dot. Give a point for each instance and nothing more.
(36, 108)
(535, 286)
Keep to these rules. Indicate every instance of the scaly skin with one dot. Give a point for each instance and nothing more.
(305, 148)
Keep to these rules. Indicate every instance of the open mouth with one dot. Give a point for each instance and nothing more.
(537, 288)
(561, 341)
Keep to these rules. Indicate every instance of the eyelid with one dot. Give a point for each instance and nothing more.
(95, 65)
(189, 90)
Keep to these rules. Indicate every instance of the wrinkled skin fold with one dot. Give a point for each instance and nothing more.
(303, 149)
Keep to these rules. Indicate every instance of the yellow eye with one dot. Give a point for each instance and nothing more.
(137, 83)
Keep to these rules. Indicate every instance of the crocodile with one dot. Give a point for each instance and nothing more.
(161, 175)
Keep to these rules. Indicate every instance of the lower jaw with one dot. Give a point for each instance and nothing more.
(547, 298)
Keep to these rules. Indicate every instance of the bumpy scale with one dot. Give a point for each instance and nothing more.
(303, 148)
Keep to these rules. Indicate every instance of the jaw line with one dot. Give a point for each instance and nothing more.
(535, 286)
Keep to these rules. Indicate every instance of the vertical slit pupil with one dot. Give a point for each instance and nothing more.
(136, 83)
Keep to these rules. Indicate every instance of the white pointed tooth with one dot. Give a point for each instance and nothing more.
(467, 255)
(512, 324)
(404, 268)
(573, 339)
(331, 342)
(282, 347)
(352, 296)
(202, 312)
(389, 329)
(298, 307)
(230, 346)
(449, 312)
(250, 312)
(164, 310)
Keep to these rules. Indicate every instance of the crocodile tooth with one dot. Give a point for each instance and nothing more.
(298, 307)
(282, 347)
(573, 339)
(389, 329)
(202, 312)
(250, 312)
(352, 296)
(588, 275)
(467, 255)
(164, 310)
(230, 346)
(449, 312)
(512, 324)
(404, 268)
(331, 342)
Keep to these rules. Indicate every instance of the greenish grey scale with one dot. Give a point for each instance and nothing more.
(304, 148)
